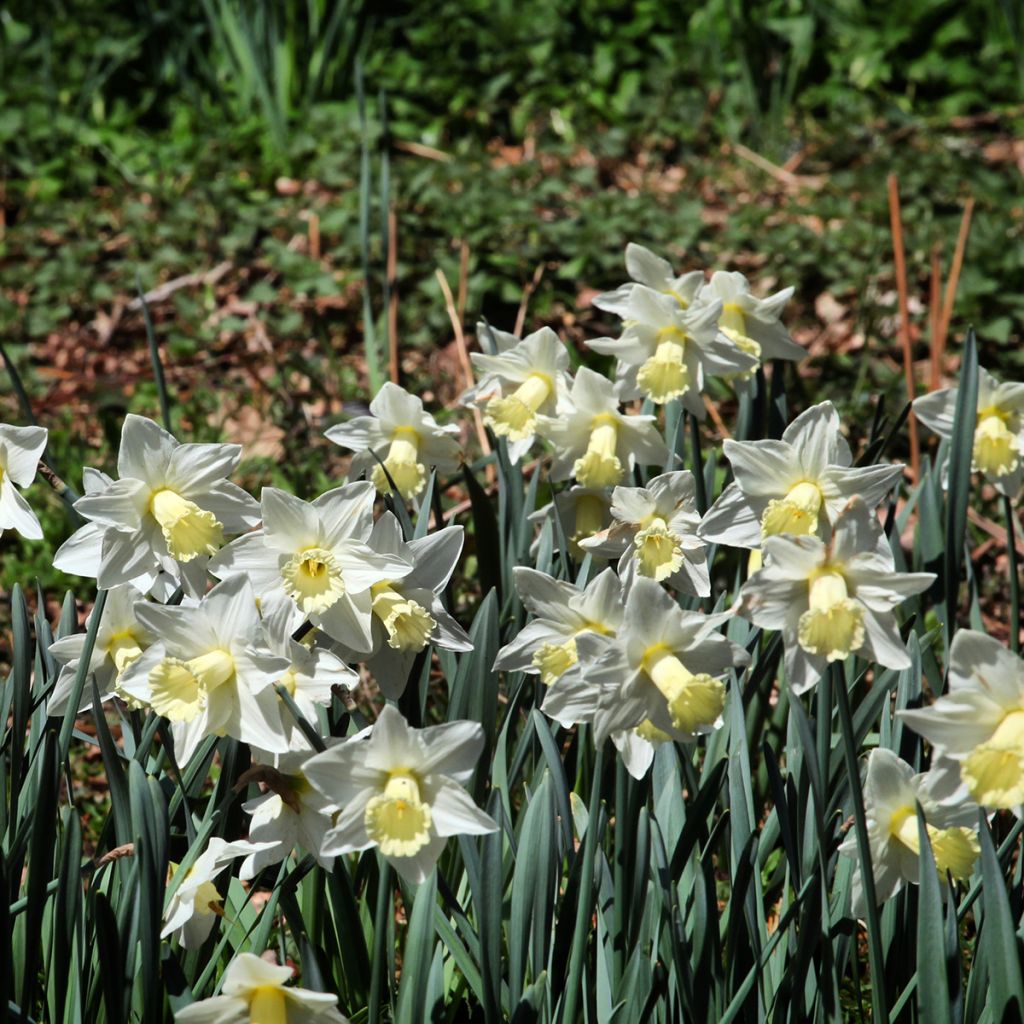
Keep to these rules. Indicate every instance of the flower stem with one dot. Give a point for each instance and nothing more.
(385, 905)
(1011, 552)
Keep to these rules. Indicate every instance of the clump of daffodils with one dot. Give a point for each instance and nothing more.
(399, 437)
(998, 433)
(892, 793)
(979, 722)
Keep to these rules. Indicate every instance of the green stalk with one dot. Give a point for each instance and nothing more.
(581, 932)
(1011, 552)
(876, 960)
(380, 938)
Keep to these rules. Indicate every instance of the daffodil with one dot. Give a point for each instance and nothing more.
(408, 613)
(652, 271)
(832, 600)
(316, 554)
(289, 814)
(404, 436)
(754, 326)
(891, 794)
(979, 722)
(20, 451)
(120, 639)
(799, 485)
(195, 903)
(401, 789)
(563, 612)
(210, 674)
(254, 991)
(662, 672)
(596, 443)
(576, 514)
(666, 351)
(169, 511)
(654, 531)
(998, 452)
(517, 384)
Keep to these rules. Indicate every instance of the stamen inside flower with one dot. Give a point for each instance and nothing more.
(600, 467)
(657, 550)
(798, 512)
(179, 689)
(553, 660)
(514, 416)
(313, 580)
(269, 1005)
(694, 701)
(664, 375)
(397, 820)
(996, 444)
(955, 849)
(994, 770)
(407, 622)
(733, 324)
(833, 626)
(188, 530)
(403, 464)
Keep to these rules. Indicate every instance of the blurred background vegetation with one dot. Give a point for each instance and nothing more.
(284, 180)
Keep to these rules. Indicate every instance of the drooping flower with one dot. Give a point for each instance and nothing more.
(404, 436)
(832, 600)
(168, 512)
(979, 722)
(752, 325)
(666, 351)
(662, 672)
(998, 452)
(891, 794)
(290, 814)
(316, 554)
(594, 441)
(210, 674)
(799, 485)
(647, 269)
(20, 451)
(254, 992)
(120, 639)
(401, 789)
(408, 613)
(563, 612)
(517, 384)
(195, 904)
(654, 531)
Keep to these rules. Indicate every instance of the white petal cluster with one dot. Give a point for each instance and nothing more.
(20, 451)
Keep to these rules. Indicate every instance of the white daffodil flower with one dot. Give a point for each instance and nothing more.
(290, 814)
(666, 351)
(313, 673)
(654, 531)
(254, 992)
(195, 904)
(596, 443)
(408, 613)
(662, 672)
(401, 789)
(832, 600)
(563, 613)
(651, 271)
(316, 553)
(401, 433)
(120, 639)
(998, 452)
(891, 794)
(518, 383)
(752, 325)
(210, 674)
(576, 513)
(168, 511)
(20, 451)
(799, 485)
(979, 722)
